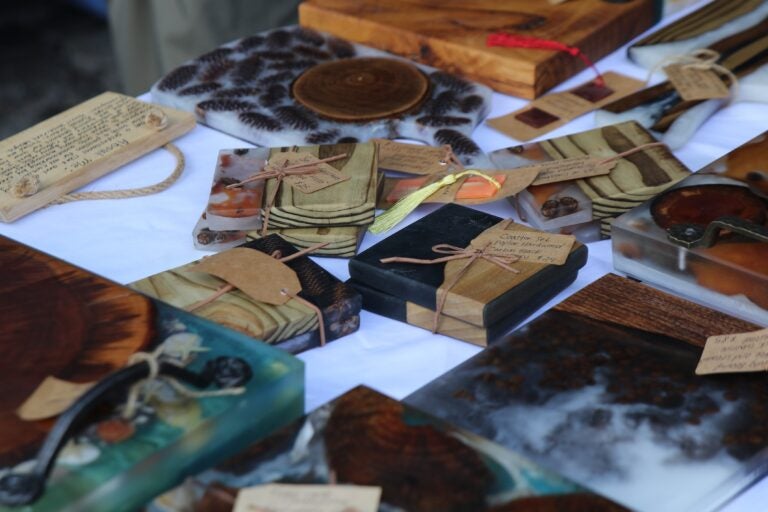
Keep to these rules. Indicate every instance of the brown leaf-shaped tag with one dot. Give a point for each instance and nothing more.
(258, 275)
(52, 397)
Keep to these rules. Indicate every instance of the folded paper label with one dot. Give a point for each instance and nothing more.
(52, 397)
(308, 498)
(530, 246)
(571, 169)
(732, 353)
(322, 176)
(260, 276)
(411, 158)
(695, 83)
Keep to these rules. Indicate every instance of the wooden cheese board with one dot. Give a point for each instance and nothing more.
(451, 34)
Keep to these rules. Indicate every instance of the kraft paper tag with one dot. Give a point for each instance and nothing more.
(571, 169)
(530, 246)
(553, 110)
(324, 176)
(308, 498)
(730, 353)
(81, 144)
(410, 158)
(693, 84)
(258, 275)
(52, 397)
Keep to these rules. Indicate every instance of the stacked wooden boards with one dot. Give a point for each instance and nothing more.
(602, 387)
(337, 214)
(66, 332)
(292, 326)
(485, 303)
(636, 177)
(451, 35)
(420, 463)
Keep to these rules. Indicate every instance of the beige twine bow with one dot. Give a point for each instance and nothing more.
(472, 254)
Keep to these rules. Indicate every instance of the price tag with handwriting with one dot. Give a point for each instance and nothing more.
(308, 498)
(410, 158)
(531, 246)
(571, 169)
(732, 353)
(694, 83)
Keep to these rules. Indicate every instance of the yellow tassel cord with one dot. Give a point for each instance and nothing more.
(400, 210)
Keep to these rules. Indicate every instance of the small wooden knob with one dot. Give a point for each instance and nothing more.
(361, 89)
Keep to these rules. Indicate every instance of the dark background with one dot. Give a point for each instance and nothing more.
(53, 55)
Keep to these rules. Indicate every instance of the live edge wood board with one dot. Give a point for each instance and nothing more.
(451, 34)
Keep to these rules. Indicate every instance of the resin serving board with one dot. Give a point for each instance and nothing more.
(292, 326)
(602, 389)
(451, 35)
(569, 205)
(714, 21)
(730, 274)
(661, 108)
(346, 93)
(422, 464)
(485, 295)
(64, 322)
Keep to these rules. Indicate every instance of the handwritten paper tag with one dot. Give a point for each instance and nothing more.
(730, 353)
(530, 246)
(79, 145)
(410, 158)
(324, 176)
(52, 397)
(553, 110)
(695, 84)
(308, 498)
(571, 169)
(258, 275)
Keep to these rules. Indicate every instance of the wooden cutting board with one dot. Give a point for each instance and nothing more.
(451, 34)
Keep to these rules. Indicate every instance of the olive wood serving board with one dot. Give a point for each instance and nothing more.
(485, 295)
(607, 375)
(450, 35)
(291, 326)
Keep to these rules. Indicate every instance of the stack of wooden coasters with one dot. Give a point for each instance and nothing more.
(308, 195)
(473, 297)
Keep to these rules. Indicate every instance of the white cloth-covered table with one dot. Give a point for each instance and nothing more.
(129, 239)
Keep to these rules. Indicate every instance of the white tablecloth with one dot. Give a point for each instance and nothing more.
(129, 239)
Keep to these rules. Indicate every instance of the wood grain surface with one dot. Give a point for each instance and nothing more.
(361, 89)
(621, 301)
(58, 320)
(349, 203)
(450, 34)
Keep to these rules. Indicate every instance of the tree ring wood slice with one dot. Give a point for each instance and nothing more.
(361, 89)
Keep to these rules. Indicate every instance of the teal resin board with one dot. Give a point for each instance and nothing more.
(84, 329)
(421, 464)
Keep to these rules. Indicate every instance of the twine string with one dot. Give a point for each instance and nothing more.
(471, 254)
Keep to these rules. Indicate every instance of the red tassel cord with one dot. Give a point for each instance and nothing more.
(516, 41)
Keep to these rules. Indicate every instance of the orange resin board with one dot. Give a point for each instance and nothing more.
(451, 34)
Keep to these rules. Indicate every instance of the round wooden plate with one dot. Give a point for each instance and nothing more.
(361, 89)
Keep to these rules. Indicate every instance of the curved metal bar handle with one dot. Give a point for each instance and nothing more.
(692, 235)
(22, 489)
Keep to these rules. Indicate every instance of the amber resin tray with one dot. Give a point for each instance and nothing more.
(706, 238)
(602, 389)
(296, 86)
(422, 464)
(586, 207)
